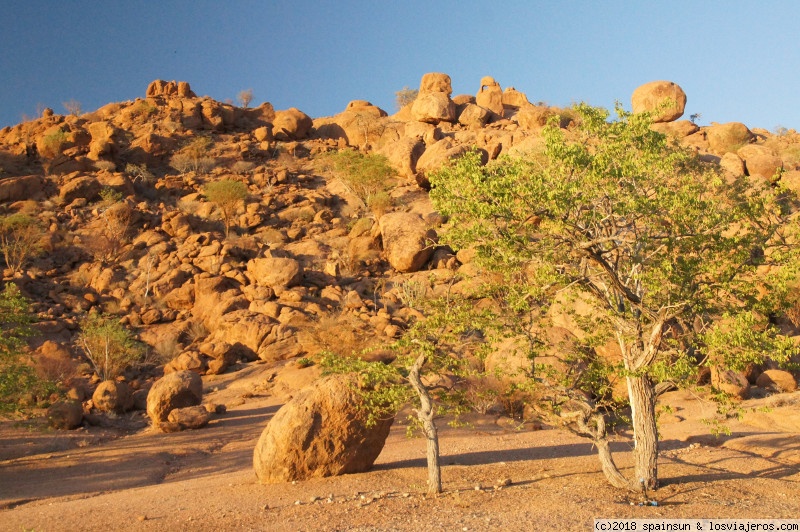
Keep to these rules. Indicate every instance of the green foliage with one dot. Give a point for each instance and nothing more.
(53, 143)
(383, 387)
(652, 236)
(139, 172)
(226, 194)
(20, 239)
(405, 96)
(109, 196)
(108, 345)
(368, 176)
(17, 379)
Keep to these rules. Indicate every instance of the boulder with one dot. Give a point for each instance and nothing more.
(113, 396)
(21, 188)
(650, 98)
(723, 138)
(321, 432)
(176, 390)
(66, 415)
(433, 107)
(490, 96)
(679, 129)
(732, 164)
(190, 417)
(730, 381)
(407, 240)
(514, 98)
(435, 82)
(760, 161)
(533, 117)
(777, 380)
(472, 115)
(85, 187)
(216, 296)
(291, 124)
(275, 272)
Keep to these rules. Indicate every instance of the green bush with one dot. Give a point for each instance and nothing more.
(226, 194)
(368, 176)
(108, 345)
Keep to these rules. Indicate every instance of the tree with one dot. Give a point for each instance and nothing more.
(245, 97)
(16, 377)
(405, 96)
(108, 345)
(227, 194)
(73, 107)
(20, 238)
(662, 246)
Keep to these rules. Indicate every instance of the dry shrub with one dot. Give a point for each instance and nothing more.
(113, 233)
(243, 167)
(109, 166)
(56, 369)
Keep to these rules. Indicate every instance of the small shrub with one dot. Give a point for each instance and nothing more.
(108, 166)
(20, 239)
(193, 157)
(53, 143)
(73, 107)
(139, 172)
(110, 196)
(226, 194)
(245, 97)
(107, 243)
(142, 108)
(243, 167)
(108, 345)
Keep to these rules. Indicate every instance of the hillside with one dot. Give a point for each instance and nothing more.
(312, 259)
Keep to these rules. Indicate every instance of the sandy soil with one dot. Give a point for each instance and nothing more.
(497, 475)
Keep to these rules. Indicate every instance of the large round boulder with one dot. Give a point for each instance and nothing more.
(321, 432)
(65, 415)
(291, 124)
(664, 100)
(113, 396)
(176, 390)
(777, 380)
(723, 138)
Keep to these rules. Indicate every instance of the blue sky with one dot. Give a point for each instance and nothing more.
(736, 60)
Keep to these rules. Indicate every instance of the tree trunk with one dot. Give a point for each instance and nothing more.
(425, 415)
(596, 430)
(645, 433)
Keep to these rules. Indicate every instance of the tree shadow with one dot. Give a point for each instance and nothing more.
(143, 459)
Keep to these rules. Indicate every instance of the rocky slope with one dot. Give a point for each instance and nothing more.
(308, 266)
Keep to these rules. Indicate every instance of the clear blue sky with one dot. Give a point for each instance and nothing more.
(736, 60)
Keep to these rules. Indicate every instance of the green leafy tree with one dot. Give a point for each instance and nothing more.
(20, 239)
(658, 243)
(108, 345)
(227, 194)
(16, 377)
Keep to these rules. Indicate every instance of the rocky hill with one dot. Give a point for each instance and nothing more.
(312, 261)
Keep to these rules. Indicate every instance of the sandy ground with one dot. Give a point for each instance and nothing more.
(98, 479)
